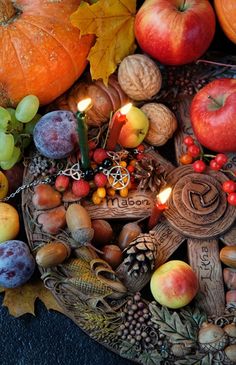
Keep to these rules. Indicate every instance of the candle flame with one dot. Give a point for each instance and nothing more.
(126, 108)
(84, 104)
(164, 195)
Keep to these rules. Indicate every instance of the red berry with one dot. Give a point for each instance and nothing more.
(130, 168)
(232, 199)
(80, 188)
(199, 166)
(62, 183)
(194, 150)
(188, 141)
(140, 148)
(185, 159)
(99, 155)
(100, 179)
(221, 159)
(214, 165)
(140, 156)
(229, 186)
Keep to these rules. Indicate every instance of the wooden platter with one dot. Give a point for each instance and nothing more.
(196, 225)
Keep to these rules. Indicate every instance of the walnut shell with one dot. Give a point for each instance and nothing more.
(139, 77)
(162, 123)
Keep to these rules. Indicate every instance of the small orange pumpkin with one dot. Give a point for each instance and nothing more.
(41, 52)
(226, 13)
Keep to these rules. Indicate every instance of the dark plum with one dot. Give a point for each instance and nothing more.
(55, 134)
(16, 263)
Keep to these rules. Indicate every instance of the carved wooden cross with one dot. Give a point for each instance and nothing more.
(198, 215)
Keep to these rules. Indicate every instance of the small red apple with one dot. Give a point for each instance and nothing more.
(213, 113)
(175, 32)
(135, 129)
(174, 284)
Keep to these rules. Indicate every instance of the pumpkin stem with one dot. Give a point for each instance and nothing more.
(7, 11)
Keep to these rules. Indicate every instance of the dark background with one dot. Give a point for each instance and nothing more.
(51, 338)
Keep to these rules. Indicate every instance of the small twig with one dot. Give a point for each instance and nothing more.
(215, 63)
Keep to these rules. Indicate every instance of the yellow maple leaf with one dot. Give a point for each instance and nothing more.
(112, 21)
(21, 300)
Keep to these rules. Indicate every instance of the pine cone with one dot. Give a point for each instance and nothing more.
(139, 261)
(148, 172)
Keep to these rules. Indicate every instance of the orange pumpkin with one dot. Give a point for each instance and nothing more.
(226, 12)
(41, 52)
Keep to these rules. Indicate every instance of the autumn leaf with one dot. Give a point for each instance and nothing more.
(112, 21)
(21, 300)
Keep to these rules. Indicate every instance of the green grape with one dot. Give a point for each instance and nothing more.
(6, 146)
(6, 165)
(14, 124)
(5, 117)
(27, 108)
(29, 127)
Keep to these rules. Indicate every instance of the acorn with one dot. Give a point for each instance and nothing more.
(230, 352)
(230, 329)
(52, 254)
(128, 233)
(79, 224)
(228, 256)
(212, 338)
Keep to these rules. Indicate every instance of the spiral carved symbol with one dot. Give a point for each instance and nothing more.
(198, 207)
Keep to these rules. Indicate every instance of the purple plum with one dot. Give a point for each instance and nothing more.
(16, 263)
(55, 134)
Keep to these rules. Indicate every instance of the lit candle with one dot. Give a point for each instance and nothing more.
(159, 207)
(82, 129)
(117, 122)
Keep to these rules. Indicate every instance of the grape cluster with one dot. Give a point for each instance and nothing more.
(16, 126)
(41, 166)
(137, 327)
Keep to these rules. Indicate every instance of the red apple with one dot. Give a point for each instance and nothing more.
(135, 129)
(213, 113)
(174, 284)
(175, 32)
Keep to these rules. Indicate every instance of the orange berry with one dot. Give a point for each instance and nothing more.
(133, 162)
(123, 163)
(101, 192)
(95, 199)
(186, 159)
(124, 192)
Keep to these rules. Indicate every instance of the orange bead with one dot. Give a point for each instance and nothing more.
(186, 159)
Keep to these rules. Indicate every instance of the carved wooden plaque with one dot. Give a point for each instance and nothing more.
(136, 205)
(198, 208)
(204, 259)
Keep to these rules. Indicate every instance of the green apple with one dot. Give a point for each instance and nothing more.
(174, 284)
(135, 129)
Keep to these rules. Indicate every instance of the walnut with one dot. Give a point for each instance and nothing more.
(162, 123)
(139, 77)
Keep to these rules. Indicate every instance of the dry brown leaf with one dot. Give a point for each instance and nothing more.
(112, 21)
(21, 300)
